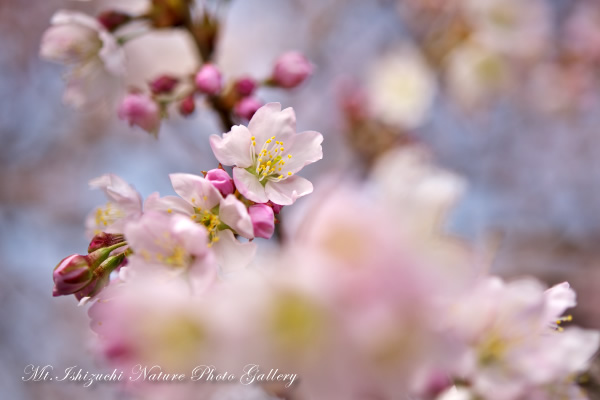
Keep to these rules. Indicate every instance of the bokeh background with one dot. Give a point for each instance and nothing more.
(533, 176)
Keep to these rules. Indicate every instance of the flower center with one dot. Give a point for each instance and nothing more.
(210, 221)
(108, 214)
(269, 162)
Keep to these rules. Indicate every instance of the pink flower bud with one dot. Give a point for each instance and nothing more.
(140, 110)
(221, 180)
(163, 84)
(187, 106)
(246, 107)
(263, 220)
(245, 86)
(103, 239)
(71, 275)
(112, 19)
(208, 79)
(291, 69)
(276, 207)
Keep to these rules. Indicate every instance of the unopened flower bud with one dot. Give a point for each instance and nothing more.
(140, 110)
(291, 69)
(112, 19)
(209, 80)
(163, 84)
(71, 275)
(221, 180)
(246, 107)
(245, 86)
(104, 239)
(263, 220)
(187, 106)
(276, 207)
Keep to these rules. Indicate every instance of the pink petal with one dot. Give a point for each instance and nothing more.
(195, 190)
(305, 149)
(558, 299)
(119, 191)
(249, 186)
(231, 254)
(168, 204)
(234, 147)
(286, 192)
(270, 121)
(234, 213)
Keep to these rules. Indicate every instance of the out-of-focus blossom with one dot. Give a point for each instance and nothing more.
(221, 216)
(475, 74)
(125, 204)
(163, 84)
(140, 110)
(401, 88)
(172, 245)
(267, 154)
(513, 346)
(187, 106)
(582, 36)
(221, 180)
(245, 86)
(247, 107)
(96, 59)
(263, 220)
(514, 27)
(291, 69)
(209, 80)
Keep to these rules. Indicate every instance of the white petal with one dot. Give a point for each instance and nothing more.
(118, 190)
(231, 254)
(193, 236)
(558, 299)
(196, 190)
(249, 186)
(286, 192)
(234, 213)
(305, 149)
(270, 121)
(234, 147)
(169, 204)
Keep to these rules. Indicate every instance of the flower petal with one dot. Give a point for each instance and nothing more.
(234, 147)
(119, 191)
(305, 149)
(232, 254)
(558, 299)
(193, 236)
(234, 213)
(168, 204)
(286, 192)
(270, 121)
(195, 190)
(249, 186)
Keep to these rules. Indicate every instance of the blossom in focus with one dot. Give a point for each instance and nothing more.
(96, 59)
(173, 245)
(139, 109)
(267, 155)
(513, 345)
(291, 69)
(221, 216)
(401, 88)
(125, 204)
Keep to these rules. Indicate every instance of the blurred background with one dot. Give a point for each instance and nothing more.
(505, 96)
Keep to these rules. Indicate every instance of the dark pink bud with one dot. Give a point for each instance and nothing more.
(245, 86)
(112, 20)
(103, 239)
(246, 107)
(139, 109)
(71, 275)
(163, 84)
(276, 207)
(208, 79)
(187, 106)
(221, 180)
(263, 220)
(291, 69)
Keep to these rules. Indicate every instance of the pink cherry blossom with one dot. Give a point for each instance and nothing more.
(221, 216)
(263, 220)
(124, 204)
(291, 69)
(221, 180)
(209, 80)
(139, 109)
(267, 155)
